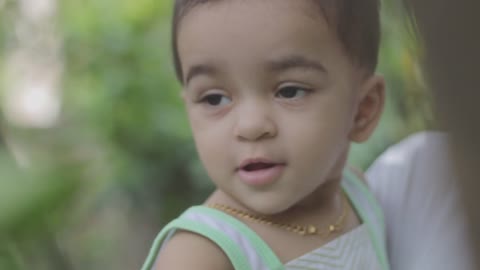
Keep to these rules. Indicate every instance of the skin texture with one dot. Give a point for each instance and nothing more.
(268, 79)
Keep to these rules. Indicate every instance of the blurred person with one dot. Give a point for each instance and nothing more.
(451, 62)
(275, 93)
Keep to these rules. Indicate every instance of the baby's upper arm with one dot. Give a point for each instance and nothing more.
(186, 251)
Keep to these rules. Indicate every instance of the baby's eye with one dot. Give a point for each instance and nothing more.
(292, 92)
(216, 100)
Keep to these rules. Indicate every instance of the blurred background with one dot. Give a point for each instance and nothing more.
(95, 148)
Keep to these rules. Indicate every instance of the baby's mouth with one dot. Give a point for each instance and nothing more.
(260, 172)
(258, 166)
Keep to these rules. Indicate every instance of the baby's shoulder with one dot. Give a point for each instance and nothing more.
(186, 250)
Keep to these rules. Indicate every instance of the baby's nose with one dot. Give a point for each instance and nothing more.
(255, 122)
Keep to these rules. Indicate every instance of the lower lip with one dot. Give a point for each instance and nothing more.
(261, 177)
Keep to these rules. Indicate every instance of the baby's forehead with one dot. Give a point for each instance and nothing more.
(282, 19)
(240, 32)
(311, 9)
(358, 36)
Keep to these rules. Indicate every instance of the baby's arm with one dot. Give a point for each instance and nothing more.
(186, 251)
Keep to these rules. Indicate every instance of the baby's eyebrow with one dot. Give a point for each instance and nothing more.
(278, 65)
(294, 62)
(200, 69)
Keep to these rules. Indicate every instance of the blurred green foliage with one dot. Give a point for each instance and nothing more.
(121, 162)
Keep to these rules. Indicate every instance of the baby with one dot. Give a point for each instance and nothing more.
(276, 90)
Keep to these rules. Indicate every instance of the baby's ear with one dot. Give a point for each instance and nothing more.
(369, 108)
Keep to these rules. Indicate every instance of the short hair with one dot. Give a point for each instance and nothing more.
(356, 24)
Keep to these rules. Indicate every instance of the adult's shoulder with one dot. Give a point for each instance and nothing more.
(422, 158)
(414, 182)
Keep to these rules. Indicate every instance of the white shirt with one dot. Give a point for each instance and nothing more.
(415, 185)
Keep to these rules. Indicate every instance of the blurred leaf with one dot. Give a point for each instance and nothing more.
(26, 198)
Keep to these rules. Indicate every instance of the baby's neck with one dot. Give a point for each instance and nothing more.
(321, 206)
(322, 196)
(324, 205)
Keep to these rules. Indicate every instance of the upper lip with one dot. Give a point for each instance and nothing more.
(249, 161)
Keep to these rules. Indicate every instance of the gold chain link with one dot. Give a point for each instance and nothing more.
(298, 229)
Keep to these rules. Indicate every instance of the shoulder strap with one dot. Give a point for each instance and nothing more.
(242, 246)
(370, 212)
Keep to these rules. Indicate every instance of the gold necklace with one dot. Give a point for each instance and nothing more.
(295, 228)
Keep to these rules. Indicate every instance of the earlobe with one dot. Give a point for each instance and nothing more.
(369, 109)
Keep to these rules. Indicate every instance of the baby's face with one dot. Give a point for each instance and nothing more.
(270, 97)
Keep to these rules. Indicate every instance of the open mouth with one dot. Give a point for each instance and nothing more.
(258, 166)
(260, 172)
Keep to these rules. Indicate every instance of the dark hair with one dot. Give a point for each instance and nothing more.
(356, 23)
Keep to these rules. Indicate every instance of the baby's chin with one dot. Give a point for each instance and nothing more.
(269, 203)
(269, 207)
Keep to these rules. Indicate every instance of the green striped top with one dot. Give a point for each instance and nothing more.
(363, 248)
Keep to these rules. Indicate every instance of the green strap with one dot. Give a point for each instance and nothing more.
(376, 237)
(366, 192)
(235, 255)
(262, 249)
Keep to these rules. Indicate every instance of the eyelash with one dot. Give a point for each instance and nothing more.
(207, 99)
(295, 87)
